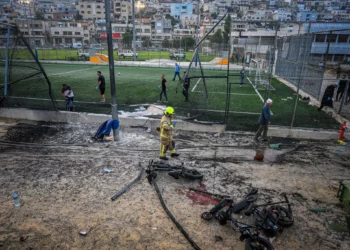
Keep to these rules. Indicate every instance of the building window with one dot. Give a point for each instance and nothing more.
(57, 33)
(69, 32)
(82, 12)
(98, 12)
(342, 38)
(81, 6)
(77, 33)
(64, 32)
(331, 38)
(98, 7)
(320, 38)
(89, 6)
(89, 12)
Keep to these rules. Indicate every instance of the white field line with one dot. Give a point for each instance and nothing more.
(224, 93)
(257, 92)
(196, 84)
(73, 71)
(43, 99)
(234, 112)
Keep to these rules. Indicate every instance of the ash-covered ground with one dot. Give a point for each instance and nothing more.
(58, 171)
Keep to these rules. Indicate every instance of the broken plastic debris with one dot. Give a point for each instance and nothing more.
(107, 170)
(217, 134)
(83, 233)
(141, 108)
(317, 210)
(154, 228)
(148, 130)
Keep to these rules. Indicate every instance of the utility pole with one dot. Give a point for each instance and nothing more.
(133, 30)
(7, 59)
(111, 66)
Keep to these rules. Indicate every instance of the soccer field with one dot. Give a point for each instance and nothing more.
(139, 86)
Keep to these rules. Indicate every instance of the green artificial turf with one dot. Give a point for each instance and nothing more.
(139, 86)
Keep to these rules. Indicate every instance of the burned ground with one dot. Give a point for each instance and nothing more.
(58, 171)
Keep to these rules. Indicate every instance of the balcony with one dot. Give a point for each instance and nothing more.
(334, 48)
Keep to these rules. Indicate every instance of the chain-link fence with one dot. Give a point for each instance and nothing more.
(217, 91)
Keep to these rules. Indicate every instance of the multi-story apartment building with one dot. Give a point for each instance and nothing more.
(282, 15)
(306, 16)
(67, 32)
(177, 9)
(93, 10)
(258, 15)
(187, 20)
(162, 29)
(36, 31)
(122, 10)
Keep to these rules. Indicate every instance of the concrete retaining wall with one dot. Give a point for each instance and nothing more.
(75, 117)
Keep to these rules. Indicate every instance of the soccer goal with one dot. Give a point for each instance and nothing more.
(24, 78)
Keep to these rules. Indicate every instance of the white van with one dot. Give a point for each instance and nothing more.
(77, 45)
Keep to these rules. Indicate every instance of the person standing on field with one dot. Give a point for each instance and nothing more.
(101, 85)
(164, 88)
(242, 75)
(67, 93)
(177, 72)
(264, 121)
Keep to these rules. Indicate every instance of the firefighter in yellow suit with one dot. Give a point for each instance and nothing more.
(166, 134)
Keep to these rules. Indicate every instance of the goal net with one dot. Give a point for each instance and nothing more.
(27, 83)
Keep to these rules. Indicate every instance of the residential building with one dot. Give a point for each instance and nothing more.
(34, 30)
(187, 20)
(91, 10)
(162, 29)
(282, 15)
(306, 16)
(123, 10)
(177, 9)
(257, 15)
(67, 32)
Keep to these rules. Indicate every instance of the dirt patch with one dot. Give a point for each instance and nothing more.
(58, 172)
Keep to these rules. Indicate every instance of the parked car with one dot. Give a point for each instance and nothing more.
(180, 54)
(126, 53)
(83, 53)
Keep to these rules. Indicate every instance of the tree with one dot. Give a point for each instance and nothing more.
(217, 37)
(165, 43)
(227, 29)
(173, 20)
(146, 42)
(127, 38)
(188, 42)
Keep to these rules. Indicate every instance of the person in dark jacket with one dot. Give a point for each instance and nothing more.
(264, 121)
(185, 86)
(327, 99)
(341, 89)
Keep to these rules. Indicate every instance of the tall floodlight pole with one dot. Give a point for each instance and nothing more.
(7, 59)
(133, 31)
(111, 66)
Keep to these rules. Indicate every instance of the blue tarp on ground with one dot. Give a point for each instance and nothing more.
(106, 127)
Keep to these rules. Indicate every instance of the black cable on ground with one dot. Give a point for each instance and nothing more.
(182, 230)
(138, 178)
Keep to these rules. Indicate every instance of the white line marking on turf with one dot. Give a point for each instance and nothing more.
(224, 93)
(262, 99)
(196, 84)
(73, 71)
(57, 100)
(235, 112)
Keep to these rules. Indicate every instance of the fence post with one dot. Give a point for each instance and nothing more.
(300, 77)
(7, 59)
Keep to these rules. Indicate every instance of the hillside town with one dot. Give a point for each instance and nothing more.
(61, 23)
